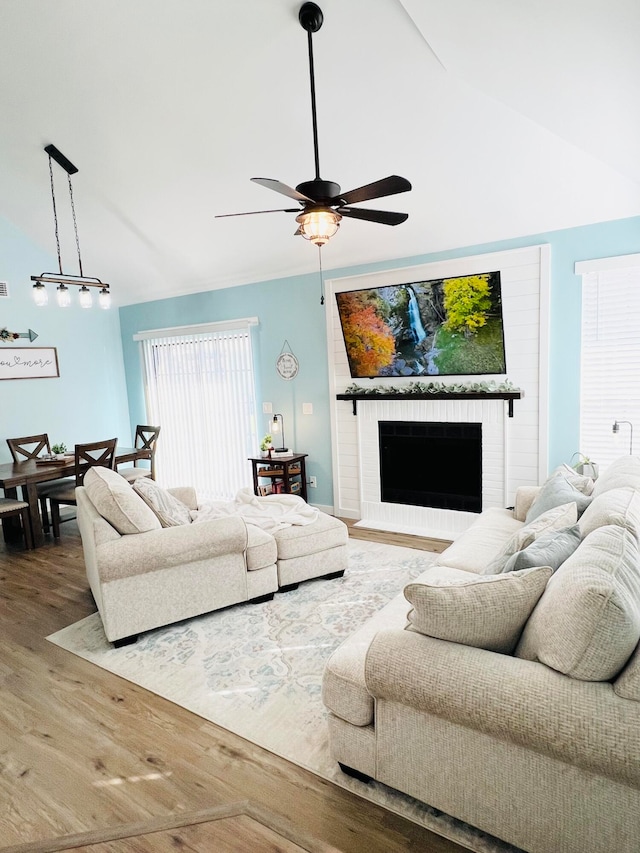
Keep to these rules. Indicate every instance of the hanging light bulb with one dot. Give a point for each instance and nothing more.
(84, 295)
(40, 295)
(63, 296)
(104, 298)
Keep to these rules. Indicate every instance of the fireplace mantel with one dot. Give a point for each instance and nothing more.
(510, 396)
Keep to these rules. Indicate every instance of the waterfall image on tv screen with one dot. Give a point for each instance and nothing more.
(444, 327)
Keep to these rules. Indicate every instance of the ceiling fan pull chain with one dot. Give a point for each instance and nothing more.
(321, 276)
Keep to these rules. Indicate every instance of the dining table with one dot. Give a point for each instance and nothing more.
(28, 474)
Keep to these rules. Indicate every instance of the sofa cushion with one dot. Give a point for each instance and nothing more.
(627, 684)
(620, 506)
(587, 623)
(301, 540)
(485, 611)
(557, 490)
(557, 518)
(481, 542)
(117, 503)
(344, 691)
(170, 511)
(624, 471)
(261, 548)
(550, 549)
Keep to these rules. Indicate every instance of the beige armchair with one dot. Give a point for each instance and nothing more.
(143, 580)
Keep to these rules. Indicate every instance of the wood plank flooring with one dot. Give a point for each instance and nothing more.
(83, 751)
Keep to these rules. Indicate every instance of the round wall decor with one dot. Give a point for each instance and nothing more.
(287, 364)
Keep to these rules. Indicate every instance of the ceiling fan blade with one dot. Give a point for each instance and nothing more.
(386, 186)
(384, 217)
(254, 212)
(279, 187)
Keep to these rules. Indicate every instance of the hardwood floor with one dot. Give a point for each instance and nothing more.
(85, 752)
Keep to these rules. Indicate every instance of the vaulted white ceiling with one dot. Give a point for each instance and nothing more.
(508, 117)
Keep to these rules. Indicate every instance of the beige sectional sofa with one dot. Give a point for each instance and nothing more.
(511, 699)
(148, 565)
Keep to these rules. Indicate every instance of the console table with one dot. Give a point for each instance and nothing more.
(287, 471)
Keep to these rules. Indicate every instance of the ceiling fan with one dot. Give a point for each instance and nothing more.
(322, 203)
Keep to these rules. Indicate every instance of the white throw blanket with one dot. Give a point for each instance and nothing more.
(272, 512)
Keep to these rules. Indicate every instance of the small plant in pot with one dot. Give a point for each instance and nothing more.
(266, 445)
(59, 449)
(585, 466)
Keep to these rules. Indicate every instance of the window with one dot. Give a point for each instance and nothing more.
(610, 357)
(200, 389)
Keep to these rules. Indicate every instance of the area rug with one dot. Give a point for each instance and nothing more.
(256, 669)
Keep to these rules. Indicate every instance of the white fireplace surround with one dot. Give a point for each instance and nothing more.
(441, 523)
(514, 450)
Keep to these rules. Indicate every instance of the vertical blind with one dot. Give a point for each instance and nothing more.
(610, 363)
(200, 389)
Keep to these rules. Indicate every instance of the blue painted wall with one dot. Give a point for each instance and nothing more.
(100, 391)
(88, 401)
(289, 309)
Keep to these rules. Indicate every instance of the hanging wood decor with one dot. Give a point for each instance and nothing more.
(287, 364)
(31, 363)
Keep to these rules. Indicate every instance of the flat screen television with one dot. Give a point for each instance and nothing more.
(443, 327)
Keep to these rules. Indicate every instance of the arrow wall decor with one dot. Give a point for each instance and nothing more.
(6, 335)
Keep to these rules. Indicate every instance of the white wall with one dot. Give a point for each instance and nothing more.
(525, 298)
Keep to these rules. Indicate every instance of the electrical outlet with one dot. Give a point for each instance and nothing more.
(313, 482)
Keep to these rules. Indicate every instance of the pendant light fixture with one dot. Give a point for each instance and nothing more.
(63, 280)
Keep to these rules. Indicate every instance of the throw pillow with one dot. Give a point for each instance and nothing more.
(549, 549)
(624, 471)
(117, 503)
(587, 623)
(555, 491)
(581, 482)
(554, 519)
(170, 511)
(615, 506)
(485, 611)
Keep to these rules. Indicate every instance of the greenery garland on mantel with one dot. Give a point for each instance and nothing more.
(437, 390)
(421, 388)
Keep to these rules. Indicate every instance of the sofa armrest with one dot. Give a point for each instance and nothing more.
(186, 494)
(524, 702)
(171, 546)
(525, 496)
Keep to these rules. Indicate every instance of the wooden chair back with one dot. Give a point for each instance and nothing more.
(97, 454)
(146, 439)
(28, 447)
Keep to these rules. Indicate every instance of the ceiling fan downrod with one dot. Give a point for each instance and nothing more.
(311, 18)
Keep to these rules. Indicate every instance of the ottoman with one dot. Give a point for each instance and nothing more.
(311, 550)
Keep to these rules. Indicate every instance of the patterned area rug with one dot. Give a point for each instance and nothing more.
(256, 669)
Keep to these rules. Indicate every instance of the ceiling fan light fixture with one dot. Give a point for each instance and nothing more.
(319, 224)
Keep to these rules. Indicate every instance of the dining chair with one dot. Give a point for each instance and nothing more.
(97, 454)
(30, 447)
(9, 508)
(145, 441)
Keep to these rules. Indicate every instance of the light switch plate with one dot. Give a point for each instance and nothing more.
(307, 408)
(267, 408)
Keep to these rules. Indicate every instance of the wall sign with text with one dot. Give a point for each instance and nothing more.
(29, 363)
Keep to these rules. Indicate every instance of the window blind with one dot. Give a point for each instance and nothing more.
(200, 389)
(610, 362)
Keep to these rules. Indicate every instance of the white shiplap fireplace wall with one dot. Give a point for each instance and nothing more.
(514, 450)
